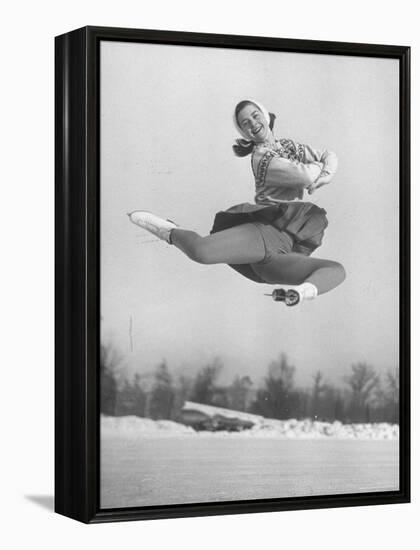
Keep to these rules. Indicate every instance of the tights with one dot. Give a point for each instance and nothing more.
(244, 244)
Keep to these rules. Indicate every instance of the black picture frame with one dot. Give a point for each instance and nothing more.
(77, 248)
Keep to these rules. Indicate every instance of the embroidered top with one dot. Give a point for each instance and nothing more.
(285, 168)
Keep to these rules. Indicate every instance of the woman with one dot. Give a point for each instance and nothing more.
(269, 241)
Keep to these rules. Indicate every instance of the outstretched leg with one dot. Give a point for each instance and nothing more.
(242, 244)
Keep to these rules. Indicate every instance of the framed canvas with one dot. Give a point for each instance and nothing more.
(219, 349)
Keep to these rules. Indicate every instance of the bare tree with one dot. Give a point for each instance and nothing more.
(239, 393)
(110, 362)
(318, 389)
(278, 398)
(392, 393)
(282, 370)
(131, 398)
(204, 385)
(162, 395)
(183, 388)
(362, 381)
(393, 385)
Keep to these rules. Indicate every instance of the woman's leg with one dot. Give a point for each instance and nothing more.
(295, 269)
(242, 244)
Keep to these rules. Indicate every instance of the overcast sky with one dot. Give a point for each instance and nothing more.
(166, 137)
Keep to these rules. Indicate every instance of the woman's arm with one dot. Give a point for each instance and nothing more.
(329, 161)
(271, 169)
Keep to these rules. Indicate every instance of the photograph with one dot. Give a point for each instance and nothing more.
(249, 269)
(209, 250)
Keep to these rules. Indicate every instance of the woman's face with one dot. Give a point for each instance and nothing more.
(253, 124)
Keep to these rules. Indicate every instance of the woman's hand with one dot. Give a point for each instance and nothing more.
(323, 179)
(329, 161)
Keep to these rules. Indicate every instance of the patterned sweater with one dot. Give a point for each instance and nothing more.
(282, 171)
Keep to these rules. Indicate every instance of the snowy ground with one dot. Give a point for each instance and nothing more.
(146, 463)
(134, 426)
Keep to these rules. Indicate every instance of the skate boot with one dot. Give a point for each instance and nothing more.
(157, 226)
(292, 296)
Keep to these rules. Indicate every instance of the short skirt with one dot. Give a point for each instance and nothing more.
(287, 227)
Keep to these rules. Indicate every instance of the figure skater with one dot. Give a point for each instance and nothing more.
(270, 241)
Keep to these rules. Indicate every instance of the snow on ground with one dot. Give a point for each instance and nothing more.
(135, 427)
(132, 425)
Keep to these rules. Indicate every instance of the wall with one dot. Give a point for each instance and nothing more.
(27, 246)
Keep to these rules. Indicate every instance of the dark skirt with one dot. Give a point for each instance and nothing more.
(303, 222)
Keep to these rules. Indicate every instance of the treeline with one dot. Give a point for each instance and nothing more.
(364, 397)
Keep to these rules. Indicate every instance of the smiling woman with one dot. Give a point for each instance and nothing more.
(251, 122)
(270, 241)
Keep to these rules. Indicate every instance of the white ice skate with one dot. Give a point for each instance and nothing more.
(157, 226)
(293, 295)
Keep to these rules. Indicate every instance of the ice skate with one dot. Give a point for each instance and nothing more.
(157, 226)
(292, 296)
